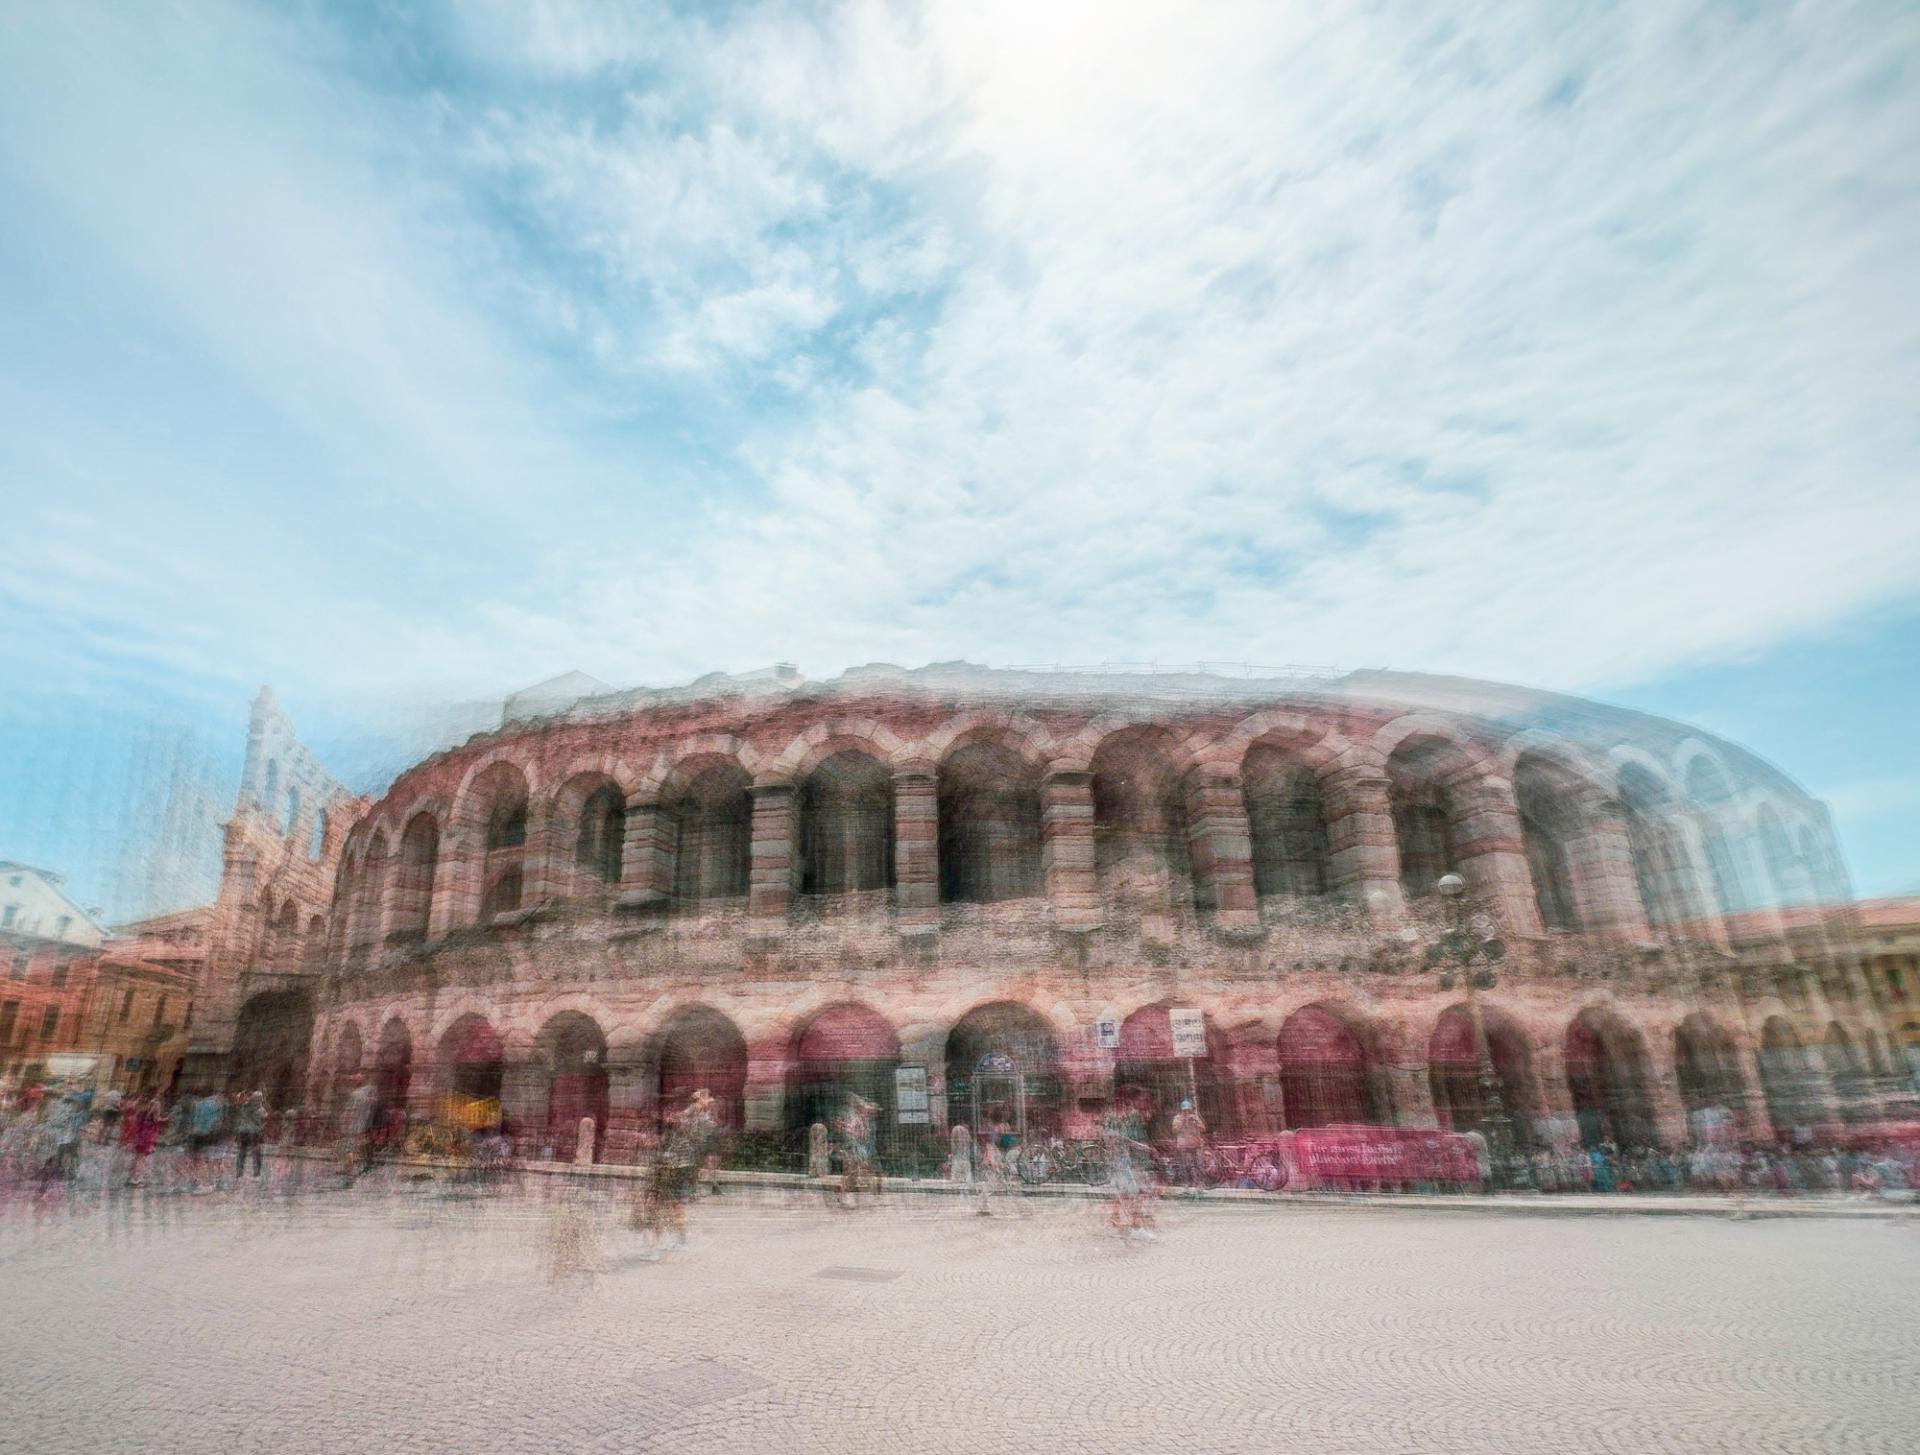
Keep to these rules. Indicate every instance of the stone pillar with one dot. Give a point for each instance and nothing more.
(1487, 846)
(766, 1087)
(1703, 918)
(1222, 848)
(1663, 1103)
(1066, 850)
(646, 856)
(770, 871)
(546, 860)
(1363, 858)
(916, 849)
(1759, 1120)
(523, 1101)
(456, 892)
(1410, 1088)
(583, 1142)
(1600, 862)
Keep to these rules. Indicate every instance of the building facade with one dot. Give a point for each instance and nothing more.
(979, 896)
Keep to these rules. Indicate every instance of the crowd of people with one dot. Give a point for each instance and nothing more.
(53, 1134)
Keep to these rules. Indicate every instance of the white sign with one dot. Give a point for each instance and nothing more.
(910, 1096)
(1106, 1032)
(1189, 1032)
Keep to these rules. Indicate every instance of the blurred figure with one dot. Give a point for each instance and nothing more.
(249, 1125)
(359, 1119)
(856, 1149)
(1189, 1141)
(140, 1134)
(206, 1128)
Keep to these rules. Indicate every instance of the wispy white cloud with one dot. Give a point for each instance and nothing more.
(1567, 346)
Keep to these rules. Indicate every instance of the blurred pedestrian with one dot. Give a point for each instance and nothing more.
(1189, 1142)
(249, 1125)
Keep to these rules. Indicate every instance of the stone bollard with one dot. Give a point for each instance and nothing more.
(583, 1147)
(819, 1159)
(960, 1159)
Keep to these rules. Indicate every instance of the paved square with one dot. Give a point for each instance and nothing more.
(407, 1321)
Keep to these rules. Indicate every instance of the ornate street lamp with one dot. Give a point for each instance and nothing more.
(1467, 953)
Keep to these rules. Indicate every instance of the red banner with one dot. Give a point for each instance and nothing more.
(1355, 1156)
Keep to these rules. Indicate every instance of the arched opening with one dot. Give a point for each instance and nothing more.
(599, 844)
(270, 1045)
(347, 1053)
(1707, 1071)
(314, 952)
(1143, 855)
(701, 1050)
(842, 1052)
(1326, 1076)
(370, 886)
(1421, 773)
(498, 809)
(1003, 1071)
(413, 878)
(711, 811)
(1462, 1101)
(1787, 1080)
(271, 792)
(1847, 1073)
(317, 841)
(574, 1052)
(1661, 866)
(1548, 798)
(846, 827)
(284, 946)
(1708, 788)
(1147, 1074)
(472, 1060)
(1785, 874)
(1287, 821)
(989, 810)
(393, 1066)
(293, 810)
(1607, 1081)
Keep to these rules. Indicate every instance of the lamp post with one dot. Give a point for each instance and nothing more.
(1460, 953)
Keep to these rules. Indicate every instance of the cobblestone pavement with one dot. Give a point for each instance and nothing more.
(407, 1320)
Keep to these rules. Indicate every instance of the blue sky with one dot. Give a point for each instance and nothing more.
(403, 355)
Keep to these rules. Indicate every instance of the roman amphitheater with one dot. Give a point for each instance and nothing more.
(977, 895)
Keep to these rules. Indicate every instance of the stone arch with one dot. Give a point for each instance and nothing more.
(471, 1058)
(1148, 1075)
(698, 1048)
(1019, 733)
(588, 833)
(570, 1063)
(1788, 882)
(1846, 1072)
(1608, 1079)
(707, 804)
(988, 818)
(841, 1051)
(1553, 799)
(367, 927)
(1332, 1070)
(491, 813)
(1662, 862)
(1789, 1079)
(272, 1038)
(1310, 738)
(1426, 793)
(415, 870)
(836, 735)
(1143, 821)
(700, 750)
(1003, 1064)
(393, 1063)
(1463, 1099)
(1287, 817)
(1706, 1069)
(844, 822)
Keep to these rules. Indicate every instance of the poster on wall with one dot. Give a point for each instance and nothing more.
(1189, 1032)
(910, 1096)
(1106, 1032)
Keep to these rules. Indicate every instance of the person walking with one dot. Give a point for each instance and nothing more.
(206, 1129)
(249, 1123)
(358, 1125)
(139, 1134)
(1189, 1142)
(856, 1148)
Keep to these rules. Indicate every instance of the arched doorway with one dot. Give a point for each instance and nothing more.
(1143, 860)
(1460, 1099)
(1326, 1076)
(347, 1052)
(270, 1045)
(1787, 1080)
(1607, 1081)
(574, 1050)
(842, 1052)
(1708, 1076)
(1145, 1069)
(393, 1066)
(1847, 1072)
(701, 1050)
(1003, 1070)
(472, 1059)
